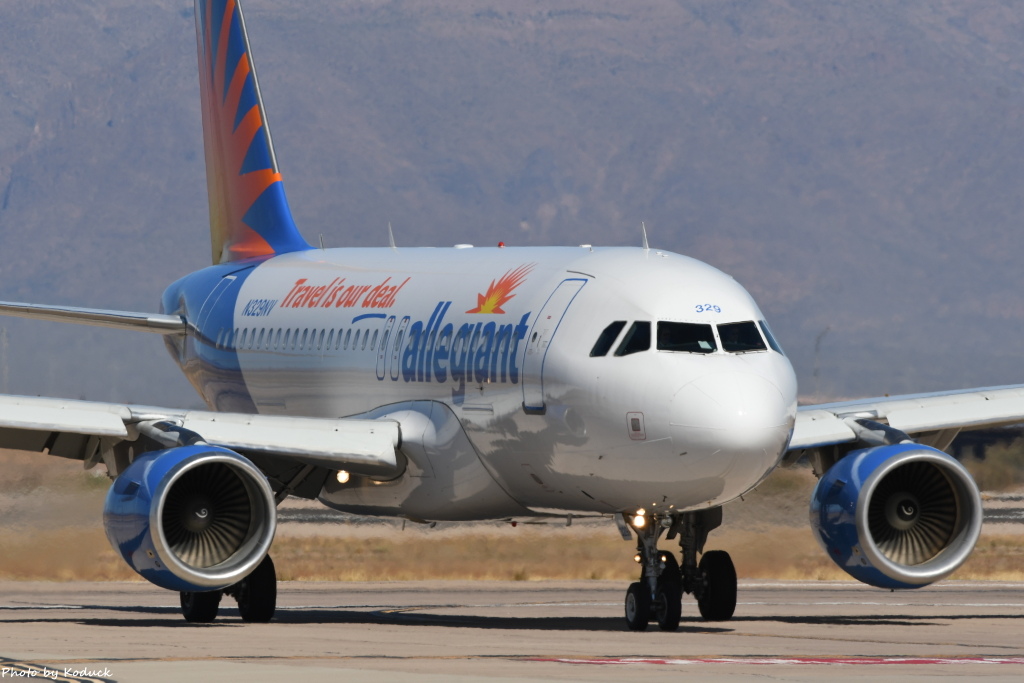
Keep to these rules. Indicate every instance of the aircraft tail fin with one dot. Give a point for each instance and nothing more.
(249, 213)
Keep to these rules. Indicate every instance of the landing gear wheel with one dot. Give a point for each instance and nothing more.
(668, 598)
(200, 608)
(668, 606)
(717, 601)
(638, 606)
(257, 593)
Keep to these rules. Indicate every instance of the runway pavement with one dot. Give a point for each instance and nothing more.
(513, 631)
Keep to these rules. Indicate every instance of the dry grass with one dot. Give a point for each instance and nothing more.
(61, 555)
(518, 555)
(400, 556)
(1001, 470)
(997, 557)
(52, 530)
(529, 553)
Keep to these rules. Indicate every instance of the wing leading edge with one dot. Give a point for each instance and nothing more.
(98, 317)
(938, 415)
(104, 432)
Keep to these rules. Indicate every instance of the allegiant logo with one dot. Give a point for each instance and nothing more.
(436, 351)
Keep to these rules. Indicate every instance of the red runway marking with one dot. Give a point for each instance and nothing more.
(841, 661)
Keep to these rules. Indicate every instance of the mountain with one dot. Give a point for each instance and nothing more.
(856, 165)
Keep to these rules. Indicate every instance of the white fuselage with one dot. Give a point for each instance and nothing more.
(496, 345)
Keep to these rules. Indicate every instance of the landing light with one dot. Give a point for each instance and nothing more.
(639, 520)
(343, 477)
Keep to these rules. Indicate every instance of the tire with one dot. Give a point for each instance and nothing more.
(668, 605)
(717, 602)
(638, 606)
(668, 599)
(200, 608)
(256, 594)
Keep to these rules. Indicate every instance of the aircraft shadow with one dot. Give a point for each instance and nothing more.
(229, 617)
(901, 620)
(170, 617)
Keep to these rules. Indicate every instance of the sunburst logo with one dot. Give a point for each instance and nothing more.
(500, 291)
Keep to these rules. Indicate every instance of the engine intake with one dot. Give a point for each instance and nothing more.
(194, 518)
(899, 516)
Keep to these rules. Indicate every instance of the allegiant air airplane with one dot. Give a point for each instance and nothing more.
(480, 383)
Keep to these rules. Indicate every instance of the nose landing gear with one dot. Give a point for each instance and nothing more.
(658, 593)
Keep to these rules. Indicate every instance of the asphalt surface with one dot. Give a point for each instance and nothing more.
(513, 631)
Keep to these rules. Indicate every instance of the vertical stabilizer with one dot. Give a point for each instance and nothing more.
(249, 214)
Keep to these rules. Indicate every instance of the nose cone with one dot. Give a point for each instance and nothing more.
(738, 414)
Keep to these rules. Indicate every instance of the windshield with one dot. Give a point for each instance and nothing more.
(741, 337)
(686, 337)
(637, 339)
(607, 338)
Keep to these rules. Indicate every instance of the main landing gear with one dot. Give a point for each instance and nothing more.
(658, 594)
(256, 596)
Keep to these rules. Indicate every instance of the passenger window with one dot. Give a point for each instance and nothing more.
(607, 338)
(638, 338)
(320, 341)
(337, 342)
(305, 336)
(373, 344)
(686, 337)
(259, 344)
(772, 342)
(741, 337)
(330, 340)
(355, 340)
(348, 335)
(366, 338)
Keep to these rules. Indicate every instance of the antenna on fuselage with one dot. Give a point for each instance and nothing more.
(643, 230)
(321, 241)
(391, 236)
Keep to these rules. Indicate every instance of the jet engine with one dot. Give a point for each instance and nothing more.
(194, 518)
(897, 516)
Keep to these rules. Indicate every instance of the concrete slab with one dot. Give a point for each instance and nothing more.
(517, 631)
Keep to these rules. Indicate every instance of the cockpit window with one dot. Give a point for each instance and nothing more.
(607, 338)
(741, 337)
(772, 342)
(638, 338)
(686, 337)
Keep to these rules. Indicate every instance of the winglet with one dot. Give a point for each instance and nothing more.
(249, 214)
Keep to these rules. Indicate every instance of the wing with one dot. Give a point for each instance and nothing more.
(283, 447)
(98, 317)
(933, 419)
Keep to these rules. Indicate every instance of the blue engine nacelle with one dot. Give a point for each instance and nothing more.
(194, 518)
(900, 516)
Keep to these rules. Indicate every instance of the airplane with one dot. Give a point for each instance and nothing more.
(468, 383)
